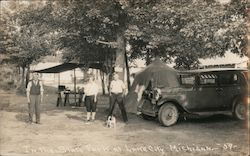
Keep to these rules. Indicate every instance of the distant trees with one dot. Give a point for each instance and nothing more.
(30, 40)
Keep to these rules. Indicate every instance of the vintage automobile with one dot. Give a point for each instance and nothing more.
(201, 92)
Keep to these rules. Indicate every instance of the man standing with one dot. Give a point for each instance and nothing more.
(35, 97)
(117, 92)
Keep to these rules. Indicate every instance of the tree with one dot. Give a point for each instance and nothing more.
(30, 39)
(187, 30)
(94, 31)
(183, 30)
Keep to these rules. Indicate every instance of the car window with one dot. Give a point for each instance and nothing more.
(229, 78)
(208, 79)
(187, 79)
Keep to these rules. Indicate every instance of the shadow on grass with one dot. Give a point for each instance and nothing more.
(211, 119)
(22, 117)
(220, 122)
(75, 117)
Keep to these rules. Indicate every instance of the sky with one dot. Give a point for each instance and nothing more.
(229, 58)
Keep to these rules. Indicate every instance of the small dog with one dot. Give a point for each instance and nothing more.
(111, 122)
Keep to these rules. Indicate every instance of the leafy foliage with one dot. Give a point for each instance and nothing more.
(175, 30)
(30, 39)
(188, 30)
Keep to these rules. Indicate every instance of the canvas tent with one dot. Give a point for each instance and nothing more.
(162, 75)
(69, 66)
(159, 74)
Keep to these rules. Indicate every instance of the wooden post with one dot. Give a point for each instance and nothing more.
(58, 79)
(75, 85)
(127, 70)
(59, 98)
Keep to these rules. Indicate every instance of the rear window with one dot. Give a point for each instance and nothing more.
(208, 79)
(229, 79)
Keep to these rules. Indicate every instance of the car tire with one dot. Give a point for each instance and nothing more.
(240, 110)
(147, 117)
(168, 114)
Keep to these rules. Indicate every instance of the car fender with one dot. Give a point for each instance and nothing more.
(237, 98)
(175, 102)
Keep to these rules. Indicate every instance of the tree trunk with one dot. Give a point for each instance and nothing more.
(127, 69)
(110, 77)
(18, 70)
(110, 68)
(23, 76)
(147, 58)
(120, 53)
(27, 76)
(103, 82)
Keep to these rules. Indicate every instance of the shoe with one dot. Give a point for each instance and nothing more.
(38, 122)
(29, 122)
(87, 122)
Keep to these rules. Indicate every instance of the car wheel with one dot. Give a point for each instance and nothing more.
(147, 117)
(240, 111)
(168, 114)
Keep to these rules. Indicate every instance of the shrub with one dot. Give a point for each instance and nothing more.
(8, 81)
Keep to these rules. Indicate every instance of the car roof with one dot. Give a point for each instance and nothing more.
(213, 70)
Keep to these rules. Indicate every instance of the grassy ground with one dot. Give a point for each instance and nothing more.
(63, 132)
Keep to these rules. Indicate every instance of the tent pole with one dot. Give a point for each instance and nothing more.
(59, 99)
(75, 84)
(58, 79)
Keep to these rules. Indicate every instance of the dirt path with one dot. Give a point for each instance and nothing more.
(64, 132)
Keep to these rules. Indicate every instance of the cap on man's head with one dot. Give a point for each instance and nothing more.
(35, 75)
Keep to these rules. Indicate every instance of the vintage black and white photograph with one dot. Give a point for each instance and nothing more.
(124, 77)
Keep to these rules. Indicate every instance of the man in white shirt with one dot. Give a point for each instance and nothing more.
(117, 92)
(90, 98)
(34, 94)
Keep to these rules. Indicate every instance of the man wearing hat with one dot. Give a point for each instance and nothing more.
(34, 93)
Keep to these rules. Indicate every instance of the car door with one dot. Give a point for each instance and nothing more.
(188, 83)
(207, 93)
(229, 84)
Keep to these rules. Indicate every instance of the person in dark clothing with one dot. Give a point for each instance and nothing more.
(34, 93)
(117, 92)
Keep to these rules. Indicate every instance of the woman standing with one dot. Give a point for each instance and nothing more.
(90, 98)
